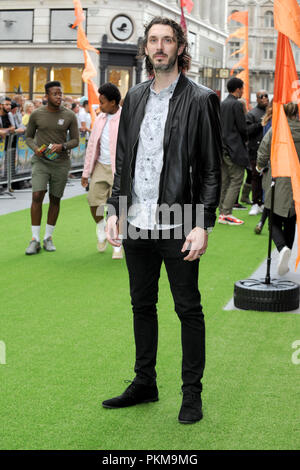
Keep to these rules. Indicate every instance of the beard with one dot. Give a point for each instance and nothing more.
(157, 67)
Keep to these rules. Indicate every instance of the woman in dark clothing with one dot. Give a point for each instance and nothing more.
(284, 216)
(267, 124)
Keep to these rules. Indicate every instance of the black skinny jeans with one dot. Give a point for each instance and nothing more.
(283, 230)
(144, 259)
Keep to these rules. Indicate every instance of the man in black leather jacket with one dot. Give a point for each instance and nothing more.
(255, 134)
(168, 153)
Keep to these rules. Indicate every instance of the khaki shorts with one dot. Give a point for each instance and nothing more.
(53, 173)
(100, 185)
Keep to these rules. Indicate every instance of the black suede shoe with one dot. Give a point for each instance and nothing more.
(191, 408)
(133, 395)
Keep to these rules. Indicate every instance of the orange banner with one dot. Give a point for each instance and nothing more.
(242, 50)
(88, 73)
(241, 33)
(240, 16)
(287, 19)
(188, 4)
(284, 157)
(89, 70)
(79, 14)
(83, 42)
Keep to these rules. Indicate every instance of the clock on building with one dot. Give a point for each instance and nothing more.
(121, 27)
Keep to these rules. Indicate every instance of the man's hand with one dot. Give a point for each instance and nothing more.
(11, 129)
(57, 148)
(84, 182)
(112, 231)
(38, 153)
(4, 132)
(196, 242)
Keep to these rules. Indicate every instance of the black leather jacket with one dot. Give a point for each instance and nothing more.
(255, 129)
(191, 172)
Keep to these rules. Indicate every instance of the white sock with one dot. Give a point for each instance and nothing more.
(49, 231)
(100, 231)
(36, 232)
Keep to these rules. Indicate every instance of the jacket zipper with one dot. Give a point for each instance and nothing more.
(191, 182)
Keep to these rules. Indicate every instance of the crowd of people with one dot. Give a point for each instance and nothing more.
(246, 168)
(16, 111)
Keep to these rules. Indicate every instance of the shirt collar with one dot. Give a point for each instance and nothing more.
(165, 91)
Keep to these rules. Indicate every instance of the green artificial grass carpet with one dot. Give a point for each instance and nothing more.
(66, 322)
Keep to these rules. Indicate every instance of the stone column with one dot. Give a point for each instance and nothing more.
(196, 11)
(205, 9)
(214, 12)
(222, 19)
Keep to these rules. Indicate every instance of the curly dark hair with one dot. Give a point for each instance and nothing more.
(184, 59)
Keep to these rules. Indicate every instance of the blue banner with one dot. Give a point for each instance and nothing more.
(78, 153)
(23, 156)
(2, 157)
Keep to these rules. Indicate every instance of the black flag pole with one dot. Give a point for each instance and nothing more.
(268, 277)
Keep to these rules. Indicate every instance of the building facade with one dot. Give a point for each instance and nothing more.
(262, 44)
(37, 42)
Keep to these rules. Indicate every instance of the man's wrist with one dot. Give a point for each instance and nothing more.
(64, 147)
(207, 229)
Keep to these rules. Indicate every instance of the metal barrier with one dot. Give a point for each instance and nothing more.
(16, 156)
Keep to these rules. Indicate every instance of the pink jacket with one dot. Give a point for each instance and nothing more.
(93, 148)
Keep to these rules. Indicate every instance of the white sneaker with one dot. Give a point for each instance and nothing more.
(117, 253)
(283, 261)
(261, 208)
(255, 210)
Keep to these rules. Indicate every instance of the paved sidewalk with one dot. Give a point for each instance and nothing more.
(22, 198)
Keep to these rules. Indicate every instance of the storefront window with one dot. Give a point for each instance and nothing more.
(17, 80)
(70, 79)
(40, 77)
(14, 80)
(121, 78)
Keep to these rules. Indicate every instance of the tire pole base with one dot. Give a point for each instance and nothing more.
(280, 295)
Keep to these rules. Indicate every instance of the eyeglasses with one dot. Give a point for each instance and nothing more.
(263, 96)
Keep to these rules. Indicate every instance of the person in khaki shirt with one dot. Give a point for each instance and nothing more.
(47, 125)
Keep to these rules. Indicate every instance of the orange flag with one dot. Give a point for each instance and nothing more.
(82, 40)
(242, 50)
(188, 4)
(239, 33)
(284, 157)
(287, 19)
(243, 63)
(89, 69)
(240, 16)
(242, 33)
(88, 73)
(79, 14)
(244, 75)
(93, 97)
